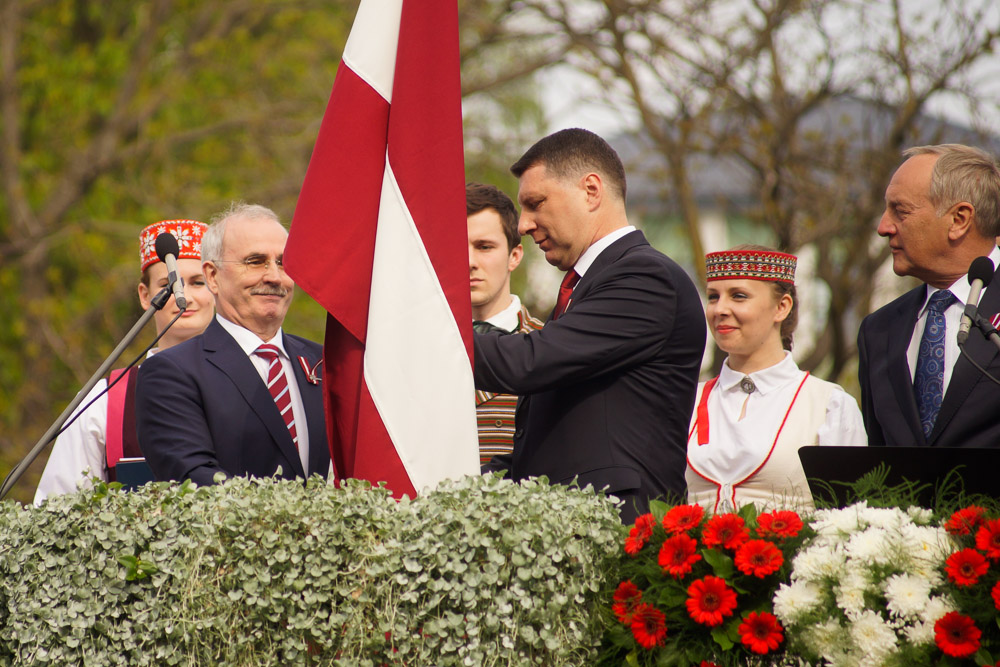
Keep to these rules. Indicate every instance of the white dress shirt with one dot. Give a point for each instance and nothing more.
(507, 319)
(248, 342)
(591, 254)
(952, 317)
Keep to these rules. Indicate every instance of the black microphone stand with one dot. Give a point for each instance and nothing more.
(988, 329)
(157, 303)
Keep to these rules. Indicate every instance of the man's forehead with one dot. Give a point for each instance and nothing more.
(243, 233)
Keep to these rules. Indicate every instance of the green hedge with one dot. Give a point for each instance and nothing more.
(255, 572)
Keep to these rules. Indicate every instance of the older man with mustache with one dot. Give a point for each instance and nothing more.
(244, 397)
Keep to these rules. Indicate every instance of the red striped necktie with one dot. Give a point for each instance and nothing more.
(565, 292)
(277, 384)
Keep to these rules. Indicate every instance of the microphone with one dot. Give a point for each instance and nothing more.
(980, 275)
(167, 250)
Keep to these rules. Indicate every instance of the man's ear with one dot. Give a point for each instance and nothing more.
(516, 255)
(211, 276)
(593, 188)
(962, 220)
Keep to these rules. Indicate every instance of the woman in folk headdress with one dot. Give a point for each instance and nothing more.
(750, 421)
(105, 432)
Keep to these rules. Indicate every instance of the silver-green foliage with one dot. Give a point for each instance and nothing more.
(254, 572)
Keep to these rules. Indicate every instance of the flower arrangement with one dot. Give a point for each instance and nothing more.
(973, 585)
(867, 589)
(697, 590)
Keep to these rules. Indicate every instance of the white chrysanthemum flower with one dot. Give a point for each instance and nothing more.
(907, 595)
(850, 593)
(927, 544)
(792, 601)
(919, 634)
(936, 607)
(889, 518)
(919, 515)
(842, 522)
(828, 639)
(817, 562)
(872, 546)
(874, 637)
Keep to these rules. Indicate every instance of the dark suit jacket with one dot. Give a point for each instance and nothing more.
(970, 411)
(202, 408)
(608, 387)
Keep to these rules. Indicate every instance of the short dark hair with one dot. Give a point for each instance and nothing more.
(572, 152)
(480, 196)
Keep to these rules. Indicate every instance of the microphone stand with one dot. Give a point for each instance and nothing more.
(988, 329)
(157, 303)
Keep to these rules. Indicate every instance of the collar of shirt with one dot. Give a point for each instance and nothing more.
(248, 340)
(766, 380)
(600, 245)
(507, 318)
(960, 288)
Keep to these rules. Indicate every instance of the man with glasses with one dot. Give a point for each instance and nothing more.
(243, 398)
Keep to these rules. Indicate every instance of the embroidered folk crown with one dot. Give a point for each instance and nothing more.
(750, 264)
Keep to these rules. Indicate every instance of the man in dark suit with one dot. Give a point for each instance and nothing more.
(942, 212)
(243, 398)
(609, 383)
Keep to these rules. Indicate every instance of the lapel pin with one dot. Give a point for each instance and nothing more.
(311, 374)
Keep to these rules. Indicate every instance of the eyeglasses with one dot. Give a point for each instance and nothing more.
(255, 263)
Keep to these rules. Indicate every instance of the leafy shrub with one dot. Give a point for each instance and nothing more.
(480, 571)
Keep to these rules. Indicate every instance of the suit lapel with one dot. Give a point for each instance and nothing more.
(964, 375)
(222, 351)
(607, 257)
(312, 402)
(898, 367)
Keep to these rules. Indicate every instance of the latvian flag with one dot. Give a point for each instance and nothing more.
(379, 240)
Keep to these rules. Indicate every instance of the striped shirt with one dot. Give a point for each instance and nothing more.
(495, 412)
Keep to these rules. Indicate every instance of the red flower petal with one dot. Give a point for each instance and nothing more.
(966, 566)
(759, 558)
(627, 598)
(639, 535)
(683, 518)
(761, 632)
(996, 595)
(649, 626)
(957, 635)
(725, 530)
(965, 520)
(781, 523)
(677, 555)
(710, 600)
(988, 539)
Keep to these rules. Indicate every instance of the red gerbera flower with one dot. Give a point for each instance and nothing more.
(760, 632)
(965, 520)
(627, 597)
(759, 558)
(710, 600)
(966, 566)
(649, 626)
(996, 595)
(677, 555)
(957, 635)
(640, 534)
(683, 518)
(988, 538)
(707, 663)
(726, 530)
(781, 523)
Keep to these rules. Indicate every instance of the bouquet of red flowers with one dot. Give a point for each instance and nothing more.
(697, 590)
(973, 584)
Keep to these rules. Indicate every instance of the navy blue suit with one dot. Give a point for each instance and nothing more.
(970, 411)
(202, 408)
(608, 387)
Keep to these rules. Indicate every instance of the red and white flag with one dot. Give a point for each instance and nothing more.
(379, 239)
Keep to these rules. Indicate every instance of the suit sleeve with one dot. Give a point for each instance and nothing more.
(171, 426)
(622, 321)
(875, 436)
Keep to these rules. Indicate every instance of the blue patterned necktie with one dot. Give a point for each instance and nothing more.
(928, 381)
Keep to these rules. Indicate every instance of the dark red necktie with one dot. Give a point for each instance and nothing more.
(277, 384)
(565, 292)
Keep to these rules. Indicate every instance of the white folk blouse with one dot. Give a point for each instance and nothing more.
(734, 461)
